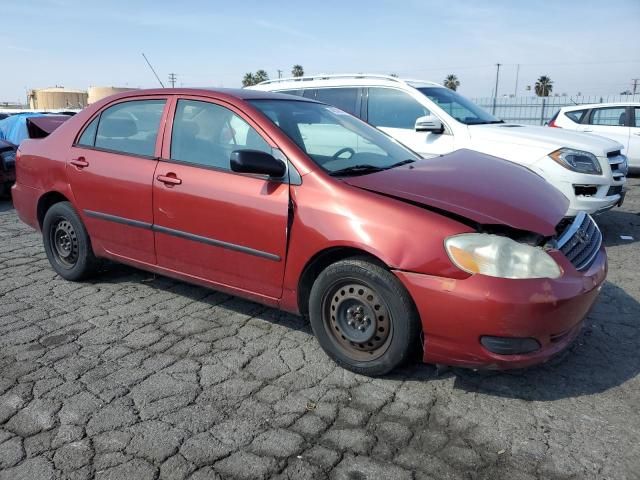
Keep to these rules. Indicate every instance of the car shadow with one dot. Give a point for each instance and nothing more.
(5, 204)
(605, 355)
(116, 273)
(616, 223)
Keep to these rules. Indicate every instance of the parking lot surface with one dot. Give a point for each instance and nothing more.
(140, 377)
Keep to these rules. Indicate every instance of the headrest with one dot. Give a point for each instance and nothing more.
(622, 119)
(187, 128)
(117, 127)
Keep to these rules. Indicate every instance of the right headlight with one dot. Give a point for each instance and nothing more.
(577, 160)
(498, 256)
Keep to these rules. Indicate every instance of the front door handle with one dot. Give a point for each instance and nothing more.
(169, 179)
(79, 162)
(587, 130)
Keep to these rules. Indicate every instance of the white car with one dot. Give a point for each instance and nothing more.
(617, 121)
(433, 120)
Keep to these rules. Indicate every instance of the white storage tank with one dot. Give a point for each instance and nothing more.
(98, 93)
(57, 98)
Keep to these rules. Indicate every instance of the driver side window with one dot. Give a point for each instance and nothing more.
(205, 134)
(392, 108)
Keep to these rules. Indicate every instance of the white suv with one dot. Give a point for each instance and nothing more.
(433, 120)
(617, 121)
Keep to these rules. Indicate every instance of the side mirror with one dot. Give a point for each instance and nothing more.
(255, 161)
(429, 123)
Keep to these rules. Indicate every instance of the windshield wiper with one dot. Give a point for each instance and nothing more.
(357, 170)
(488, 122)
(399, 164)
(366, 168)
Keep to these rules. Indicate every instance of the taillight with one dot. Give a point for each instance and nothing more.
(552, 123)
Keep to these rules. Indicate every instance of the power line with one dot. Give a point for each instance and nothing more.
(172, 79)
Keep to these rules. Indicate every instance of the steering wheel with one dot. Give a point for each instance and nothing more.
(344, 150)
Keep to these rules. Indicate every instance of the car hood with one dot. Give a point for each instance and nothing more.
(543, 138)
(481, 188)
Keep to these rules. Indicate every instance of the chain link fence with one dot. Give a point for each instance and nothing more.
(538, 110)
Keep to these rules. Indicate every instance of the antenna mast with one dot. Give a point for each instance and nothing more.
(154, 72)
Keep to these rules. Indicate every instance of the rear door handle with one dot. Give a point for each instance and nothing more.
(169, 179)
(79, 162)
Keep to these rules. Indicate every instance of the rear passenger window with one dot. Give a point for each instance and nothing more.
(609, 116)
(393, 108)
(576, 115)
(130, 127)
(205, 134)
(343, 98)
(88, 137)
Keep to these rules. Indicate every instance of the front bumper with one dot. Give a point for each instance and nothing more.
(604, 191)
(455, 314)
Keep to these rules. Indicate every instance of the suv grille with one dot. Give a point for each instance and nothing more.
(580, 241)
(618, 164)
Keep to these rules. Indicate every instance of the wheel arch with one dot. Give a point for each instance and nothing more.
(321, 260)
(46, 201)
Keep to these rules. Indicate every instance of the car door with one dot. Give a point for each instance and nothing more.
(212, 223)
(110, 169)
(610, 122)
(633, 152)
(395, 112)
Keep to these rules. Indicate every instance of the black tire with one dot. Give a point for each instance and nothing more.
(343, 300)
(67, 243)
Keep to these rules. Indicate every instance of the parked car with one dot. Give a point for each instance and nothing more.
(298, 205)
(433, 120)
(617, 121)
(7, 166)
(15, 129)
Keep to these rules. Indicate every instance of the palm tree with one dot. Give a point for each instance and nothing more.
(248, 80)
(297, 71)
(452, 82)
(261, 76)
(544, 86)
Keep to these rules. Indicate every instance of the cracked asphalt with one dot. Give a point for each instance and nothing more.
(135, 377)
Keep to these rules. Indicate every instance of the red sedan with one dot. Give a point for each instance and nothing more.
(300, 206)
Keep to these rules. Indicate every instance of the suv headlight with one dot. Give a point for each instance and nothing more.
(577, 160)
(498, 256)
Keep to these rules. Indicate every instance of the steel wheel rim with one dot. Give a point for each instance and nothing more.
(357, 320)
(64, 242)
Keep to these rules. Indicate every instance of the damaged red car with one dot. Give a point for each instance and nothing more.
(300, 206)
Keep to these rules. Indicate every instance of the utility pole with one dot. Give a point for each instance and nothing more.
(495, 92)
(279, 73)
(172, 79)
(515, 91)
(635, 84)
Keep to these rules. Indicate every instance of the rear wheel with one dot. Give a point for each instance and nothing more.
(67, 243)
(363, 317)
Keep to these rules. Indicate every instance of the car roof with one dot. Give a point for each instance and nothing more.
(601, 105)
(235, 93)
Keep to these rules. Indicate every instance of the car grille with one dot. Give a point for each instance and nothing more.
(580, 241)
(618, 164)
(615, 190)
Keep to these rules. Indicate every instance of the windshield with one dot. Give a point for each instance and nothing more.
(457, 106)
(336, 141)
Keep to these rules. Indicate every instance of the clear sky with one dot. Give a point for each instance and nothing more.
(586, 46)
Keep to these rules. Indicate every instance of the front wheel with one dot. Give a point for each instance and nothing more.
(67, 243)
(363, 317)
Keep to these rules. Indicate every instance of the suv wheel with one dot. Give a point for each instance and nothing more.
(363, 317)
(67, 243)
